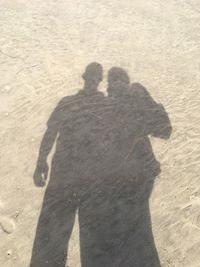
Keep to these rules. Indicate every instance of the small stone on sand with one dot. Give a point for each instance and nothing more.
(9, 252)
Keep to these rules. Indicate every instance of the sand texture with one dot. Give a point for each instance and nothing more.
(107, 216)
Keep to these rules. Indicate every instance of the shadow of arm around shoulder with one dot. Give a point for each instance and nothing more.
(156, 119)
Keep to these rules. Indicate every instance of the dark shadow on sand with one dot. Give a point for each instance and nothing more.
(104, 168)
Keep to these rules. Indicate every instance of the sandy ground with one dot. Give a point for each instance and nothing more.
(44, 49)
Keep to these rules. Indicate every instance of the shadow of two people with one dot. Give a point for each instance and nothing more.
(104, 168)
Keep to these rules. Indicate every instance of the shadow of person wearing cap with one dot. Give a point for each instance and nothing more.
(68, 127)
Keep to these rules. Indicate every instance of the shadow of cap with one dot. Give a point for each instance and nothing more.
(94, 71)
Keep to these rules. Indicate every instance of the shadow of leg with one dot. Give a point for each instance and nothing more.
(53, 230)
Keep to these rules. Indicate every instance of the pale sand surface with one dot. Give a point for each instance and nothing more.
(44, 49)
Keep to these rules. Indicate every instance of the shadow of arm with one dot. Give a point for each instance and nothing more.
(41, 170)
(162, 126)
(156, 119)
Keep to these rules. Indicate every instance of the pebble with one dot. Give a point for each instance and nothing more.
(16, 213)
(9, 252)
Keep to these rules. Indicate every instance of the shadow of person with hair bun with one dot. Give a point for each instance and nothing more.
(116, 219)
(69, 126)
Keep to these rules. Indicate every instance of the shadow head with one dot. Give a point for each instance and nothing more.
(93, 75)
(118, 81)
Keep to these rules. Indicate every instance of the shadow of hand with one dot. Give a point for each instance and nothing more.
(41, 174)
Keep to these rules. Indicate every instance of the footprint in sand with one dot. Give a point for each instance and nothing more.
(7, 224)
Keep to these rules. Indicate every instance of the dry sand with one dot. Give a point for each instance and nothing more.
(44, 48)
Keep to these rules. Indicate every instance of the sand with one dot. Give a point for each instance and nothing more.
(44, 49)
